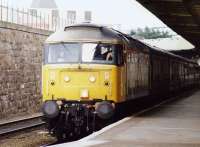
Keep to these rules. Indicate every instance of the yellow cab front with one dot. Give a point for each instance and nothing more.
(83, 71)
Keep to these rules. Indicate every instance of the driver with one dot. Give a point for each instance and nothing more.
(109, 56)
(61, 56)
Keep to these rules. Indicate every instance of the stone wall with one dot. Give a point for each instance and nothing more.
(20, 69)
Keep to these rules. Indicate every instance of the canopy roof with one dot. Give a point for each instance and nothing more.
(183, 16)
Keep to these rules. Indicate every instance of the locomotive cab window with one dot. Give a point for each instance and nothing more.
(98, 53)
(83, 53)
(120, 55)
(63, 53)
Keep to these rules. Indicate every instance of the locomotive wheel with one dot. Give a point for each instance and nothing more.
(61, 136)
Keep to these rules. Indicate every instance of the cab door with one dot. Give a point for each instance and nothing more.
(122, 74)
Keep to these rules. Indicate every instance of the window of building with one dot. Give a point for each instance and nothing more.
(33, 12)
(88, 16)
(71, 17)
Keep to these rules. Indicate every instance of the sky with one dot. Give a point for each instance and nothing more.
(129, 13)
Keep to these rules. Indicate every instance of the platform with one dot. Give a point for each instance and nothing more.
(175, 123)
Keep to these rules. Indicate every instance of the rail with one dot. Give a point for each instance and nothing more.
(20, 125)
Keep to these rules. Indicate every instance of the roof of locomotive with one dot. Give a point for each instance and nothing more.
(85, 33)
(96, 33)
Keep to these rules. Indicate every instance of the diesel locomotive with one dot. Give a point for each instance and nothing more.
(89, 70)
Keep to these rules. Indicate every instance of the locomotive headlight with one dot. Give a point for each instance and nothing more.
(92, 79)
(66, 79)
(84, 93)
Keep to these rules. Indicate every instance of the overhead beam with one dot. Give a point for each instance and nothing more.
(184, 25)
(193, 7)
(186, 28)
(152, 1)
(173, 20)
(166, 7)
(174, 14)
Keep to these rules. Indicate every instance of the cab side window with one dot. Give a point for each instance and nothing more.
(120, 55)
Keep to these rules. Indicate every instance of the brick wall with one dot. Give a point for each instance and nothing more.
(20, 69)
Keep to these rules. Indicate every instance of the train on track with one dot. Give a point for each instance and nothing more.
(89, 70)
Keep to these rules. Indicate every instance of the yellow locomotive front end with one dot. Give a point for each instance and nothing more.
(82, 76)
(93, 77)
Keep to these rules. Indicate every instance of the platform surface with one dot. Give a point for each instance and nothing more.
(175, 124)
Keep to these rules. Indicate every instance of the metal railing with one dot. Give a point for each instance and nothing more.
(26, 17)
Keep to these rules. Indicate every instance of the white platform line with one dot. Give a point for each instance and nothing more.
(82, 142)
(124, 120)
(105, 129)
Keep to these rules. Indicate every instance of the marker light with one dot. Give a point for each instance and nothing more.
(66, 79)
(106, 75)
(52, 75)
(92, 79)
(84, 93)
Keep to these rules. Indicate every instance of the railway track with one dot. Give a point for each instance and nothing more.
(20, 125)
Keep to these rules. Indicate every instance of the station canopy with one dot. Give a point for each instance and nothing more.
(183, 16)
